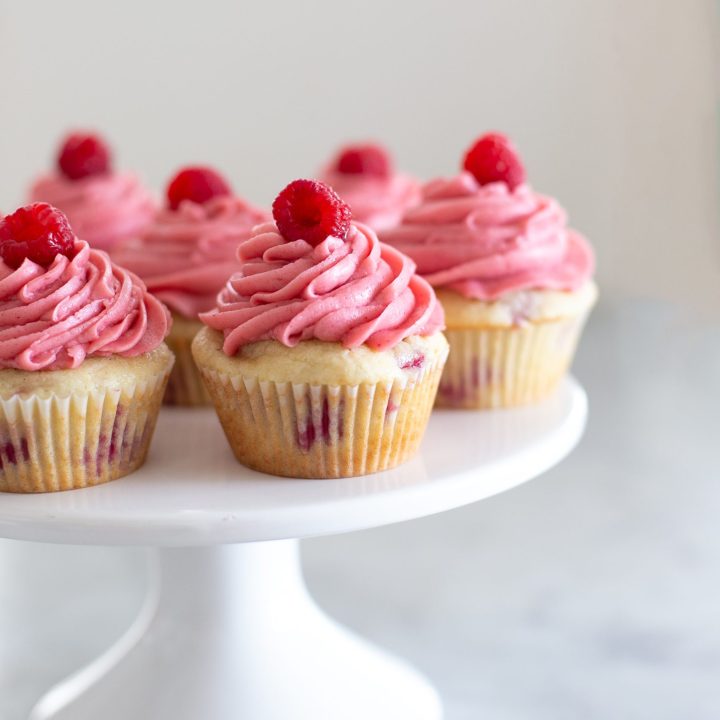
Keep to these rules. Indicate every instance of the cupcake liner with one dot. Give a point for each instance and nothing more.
(185, 386)
(507, 366)
(323, 431)
(77, 440)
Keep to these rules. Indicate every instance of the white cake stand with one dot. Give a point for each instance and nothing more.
(228, 631)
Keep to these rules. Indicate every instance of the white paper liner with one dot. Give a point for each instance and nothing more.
(324, 431)
(507, 366)
(185, 386)
(77, 440)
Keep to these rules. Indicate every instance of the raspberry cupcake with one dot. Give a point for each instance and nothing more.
(324, 352)
(364, 177)
(83, 365)
(185, 257)
(514, 280)
(104, 207)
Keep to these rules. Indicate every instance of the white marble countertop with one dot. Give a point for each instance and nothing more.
(591, 593)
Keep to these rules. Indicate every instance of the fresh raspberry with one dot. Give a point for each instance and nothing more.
(82, 155)
(493, 159)
(198, 184)
(37, 232)
(368, 159)
(310, 210)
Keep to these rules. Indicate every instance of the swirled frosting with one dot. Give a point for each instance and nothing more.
(354, 291)
(187, 254)
(376, 201)
(85, 306)
(103, 209)
(484, 241)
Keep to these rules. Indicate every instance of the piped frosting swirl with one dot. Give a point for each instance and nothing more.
(376, 201)
(484, 241)
(103, 209)
(353, 291)
(187, 254)
(84, 306)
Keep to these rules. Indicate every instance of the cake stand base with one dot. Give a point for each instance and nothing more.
(230, 633)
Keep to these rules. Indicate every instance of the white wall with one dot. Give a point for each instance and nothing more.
(614, 103)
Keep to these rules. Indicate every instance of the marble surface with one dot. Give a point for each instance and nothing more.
(589, 593)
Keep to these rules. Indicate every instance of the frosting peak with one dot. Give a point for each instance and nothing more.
(483, 241)
(187, 254)
(354, 291)
(83, 306)
(103, 209)
(375, 200)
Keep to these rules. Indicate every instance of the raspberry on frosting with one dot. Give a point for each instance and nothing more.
(312, 211)
(82, 155)
(492, 158)
(105, 207)
(367, 159)
(186, 255)
(364, 176)
(485, 240)
(313, 274)
(197, 184)
(37, 232)
(71, 301)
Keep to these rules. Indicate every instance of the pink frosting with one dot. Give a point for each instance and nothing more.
(484, 241)
(102, 209)
(53, 318)
(186, 255)
(354, 291)
(376, 201)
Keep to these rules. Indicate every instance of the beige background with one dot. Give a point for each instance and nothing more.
(614, 104)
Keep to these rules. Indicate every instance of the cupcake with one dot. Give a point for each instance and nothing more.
(364, 177)
(83, 365)
(104, 207)
(185, 257)
(514, 280)
(324, 352)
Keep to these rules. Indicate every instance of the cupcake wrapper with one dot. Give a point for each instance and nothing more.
(185, 386)
(505, 367)
(323, 431)
(62, 443)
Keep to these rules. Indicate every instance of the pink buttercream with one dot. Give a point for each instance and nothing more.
(484, 241)
(376, 201)
(53, 318)
(354, 291)
(102, 209)
(187, 254)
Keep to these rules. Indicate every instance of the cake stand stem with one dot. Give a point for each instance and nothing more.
(231, 633)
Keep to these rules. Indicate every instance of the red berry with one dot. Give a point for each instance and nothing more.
(493, 159)
(37, 232)
(364, 160)
(82, 155)
(310, 210)
(198, 184)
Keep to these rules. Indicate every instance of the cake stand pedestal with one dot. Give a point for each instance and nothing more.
(228, 630)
